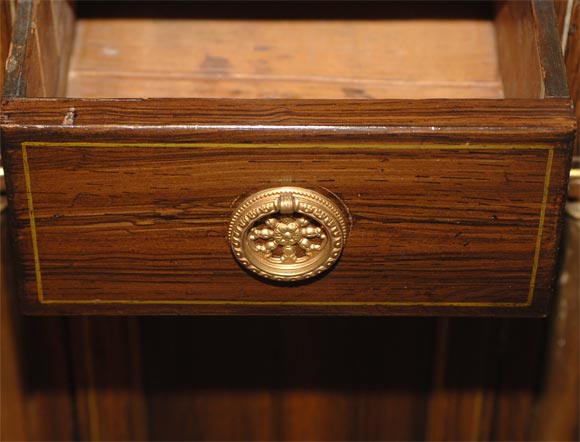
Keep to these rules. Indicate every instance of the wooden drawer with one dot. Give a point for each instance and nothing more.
(442, 132)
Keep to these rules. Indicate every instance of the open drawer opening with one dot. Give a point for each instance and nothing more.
(287, 50)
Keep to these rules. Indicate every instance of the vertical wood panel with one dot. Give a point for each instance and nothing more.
(464, 374)
(314, 404)
(287, 379)
(49, 408)
(517, 50)
(42, 42)
(392, 400)
(107, 367)
(212, 378)
(556, 415)
(560, 7)
(572, 60)
(7, 13)
(35, 391)
(12, 400)
(521, 348)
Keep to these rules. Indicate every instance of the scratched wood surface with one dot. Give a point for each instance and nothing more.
(7, 16)
(40, 49)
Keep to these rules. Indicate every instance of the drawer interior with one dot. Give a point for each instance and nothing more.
(287, 50)
(292, 50)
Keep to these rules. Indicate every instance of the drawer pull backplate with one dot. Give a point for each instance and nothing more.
(287, 233)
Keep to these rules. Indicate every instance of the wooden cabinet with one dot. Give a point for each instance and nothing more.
(129, 378)
(442, 132)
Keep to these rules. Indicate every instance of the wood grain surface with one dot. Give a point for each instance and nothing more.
(572, 60)
(294, 378)
(530, 58)
(106, 365)
(121, 205)
(40, 49)
(236, 121)
(126, 220)
(558, 405)
(519, 63)
(550, 50)
(463, 368)
(432, 223)
(35, 388)
(7, 17)
(12, 426)
(397, 53)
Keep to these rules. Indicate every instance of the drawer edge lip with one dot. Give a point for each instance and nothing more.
(554, 114)
(553, 122)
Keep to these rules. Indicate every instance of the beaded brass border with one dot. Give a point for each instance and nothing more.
(309, 203)
(39, 286)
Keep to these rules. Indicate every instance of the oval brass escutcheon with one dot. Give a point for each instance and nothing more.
(287, 233)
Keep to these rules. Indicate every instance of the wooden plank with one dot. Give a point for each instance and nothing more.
(519, 60)
(519, 370)
(483, 194)
(15, 83)
(77, 227)
(119, 84)
(294, 378)
(405, 56)
(107, 371)
(49, 408)
(29, 395)
(12, 396)
(464, 374)
(530, 58)
(217, 381)
(572, 60)
(391, 392)
(557, 407)
(353, 389)
(64, 30)
(222, 120)
(42, 42)
(560, 7)
(550, 50)
(7, 15)
(35, 391)
(46, 47)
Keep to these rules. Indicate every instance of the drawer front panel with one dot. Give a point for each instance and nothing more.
(432, 226)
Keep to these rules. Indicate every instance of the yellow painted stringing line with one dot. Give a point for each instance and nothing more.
(39, 289)
(541, 225)
(274, 146)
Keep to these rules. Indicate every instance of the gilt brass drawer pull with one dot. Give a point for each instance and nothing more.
(287, 233)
